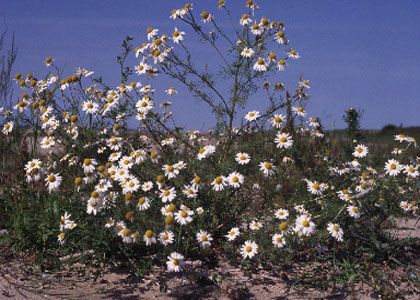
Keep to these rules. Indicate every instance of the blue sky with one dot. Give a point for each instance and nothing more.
(362, 54)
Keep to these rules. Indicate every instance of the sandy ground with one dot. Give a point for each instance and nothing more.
(18, 281)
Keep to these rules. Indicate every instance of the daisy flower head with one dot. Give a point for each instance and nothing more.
(167, 194)
(260, 65)
(232, 234)
(278, 240)
(147, 186)
(219, 183)
(281, 65)
(280, 37)
(235, 179)
(267, 168)
(353, 211)
(249, 249)
(204, 239)
(277, 121)
(7, 128)
(252, 115)
(151, 33)
(166, 237)
(256, 29)
(392, 167)
(90, 107)
(53, 181)
(178, 36)
(293, 54)
(245, 20)
(281, 214)
(144, 105)
(406, 206)
(206, 17)
(411, 171)
(190, 191)
(247, 52)
(255, 225)
(143, 203)
(170, 171)
(184, 215)
(335, 231)
(242, 158)
(304, 225)
(206, 151)
(149, 238)
(360, 151)
(299, 110)
(316, 188)
(403, 138)
(283, 140)
(175, 262)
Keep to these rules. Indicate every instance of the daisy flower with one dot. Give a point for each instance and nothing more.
(204, 239)
(232, 234)
(406, 206)
(183, 216)
(90, 107)
(411, 171)
(353, 211)
(283, 140)
(127, 236)
(235, 179)
(206, 151)
(245, 20)
(299, 110)
(277, 121)
(7, 128)
(281, 214)
(316, 188)
(149, 238)
(335, 231)
(293, 54)
(142, 68)
(175, 262)
(190, 191)
(178, 36)
(219, 183)
(166, 237)
(281, 65)
(392, 167)
(267, 168)
(278, 240)
(242, 158)
(168, 141)
(167, 194)
(147, 186)
(256, 29)
(249, 249)
(151, 33)
(252, 115)
(170, 171)
(206, 17)
(171, 91)
(53, 182)
(360, 151)
(255, 225)
(143, 203)
(247, 52)
(280, 37)
(144, 105)
(304, 226)
(47, 142)
(260, 65)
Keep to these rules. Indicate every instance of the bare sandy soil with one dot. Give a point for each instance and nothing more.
(19, 281)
